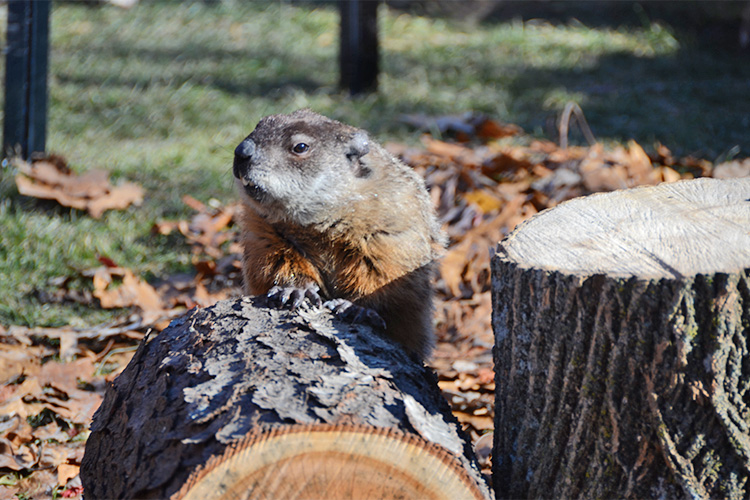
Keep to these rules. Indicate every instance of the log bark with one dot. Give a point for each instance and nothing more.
(622, 326)
(342, 403)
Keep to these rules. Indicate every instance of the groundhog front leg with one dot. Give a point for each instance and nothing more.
(406, 305)
(353, 313)
(275, 269)
(286, 288)
(293, 296)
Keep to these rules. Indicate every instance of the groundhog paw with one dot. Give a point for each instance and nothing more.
(348, 311)
(293, 296)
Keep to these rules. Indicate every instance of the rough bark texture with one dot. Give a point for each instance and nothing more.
(624, 385)
(219, 373)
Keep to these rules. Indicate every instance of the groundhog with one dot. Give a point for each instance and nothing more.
(331, 216)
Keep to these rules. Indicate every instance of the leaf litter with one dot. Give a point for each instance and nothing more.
(484, 181)
(51, 178)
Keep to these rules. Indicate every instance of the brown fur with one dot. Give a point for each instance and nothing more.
(374, 244)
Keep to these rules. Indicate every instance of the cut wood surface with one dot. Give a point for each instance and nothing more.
(331, 463)
(671, 230)
(622, 326)
(244, 401)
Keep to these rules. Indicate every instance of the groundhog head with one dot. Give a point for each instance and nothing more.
(300, 167)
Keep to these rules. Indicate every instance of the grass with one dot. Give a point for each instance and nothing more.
(160, 94)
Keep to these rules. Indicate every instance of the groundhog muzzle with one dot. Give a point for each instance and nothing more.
(331, 216)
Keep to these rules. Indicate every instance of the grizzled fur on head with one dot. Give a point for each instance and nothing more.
(298, 167)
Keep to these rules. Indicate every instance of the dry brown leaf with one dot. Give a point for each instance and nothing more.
(51, 456)
(698, 167)
(485, 200)
(667, 174)
(118, 198)
(65, 376)
(132, 291)
(7, 456)
(26, 455)
(28, 187)
(556, 155)
(491, 129)
(454, 152)
(541, 171)
(452, 267)
(639, 165)
(51, 431)
(68, 400)
(662, 155)
(483, 446)
(66, 472)
(15, 405)
(732, 169)
(16, 360)
(193, 203)
(598, 175)
(164, 227)
(90, 191)
(508, 161)
(480, 423)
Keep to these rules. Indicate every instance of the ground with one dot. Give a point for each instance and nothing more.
(159, 95)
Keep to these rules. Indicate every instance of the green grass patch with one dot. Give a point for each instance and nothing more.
(161, 94)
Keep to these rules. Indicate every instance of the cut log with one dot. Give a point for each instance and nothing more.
(622, 327)
(243, 401)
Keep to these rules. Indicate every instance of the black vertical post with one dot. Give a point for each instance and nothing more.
(25, 119)
(358, 54)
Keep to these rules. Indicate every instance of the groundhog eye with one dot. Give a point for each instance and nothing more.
(300, 148)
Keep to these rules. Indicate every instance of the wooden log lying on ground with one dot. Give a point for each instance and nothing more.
(622, 324)
(243, 401)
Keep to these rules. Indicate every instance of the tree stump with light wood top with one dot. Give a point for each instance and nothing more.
(622, 325)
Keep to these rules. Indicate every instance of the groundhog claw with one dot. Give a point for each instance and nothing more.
(293, 297)
(348, 311)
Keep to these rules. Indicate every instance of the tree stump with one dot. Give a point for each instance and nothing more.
(243, 401)
(622, 325)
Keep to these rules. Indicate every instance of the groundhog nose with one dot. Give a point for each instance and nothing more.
(245, 150)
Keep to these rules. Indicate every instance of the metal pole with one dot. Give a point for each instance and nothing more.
(25, 118)
(358, 56)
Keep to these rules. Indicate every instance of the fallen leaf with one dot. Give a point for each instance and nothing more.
(28, 187)
(106, 261)
(51, 431)
(66, 472)
(193, 203)
(91, 191)
(26, 455)
(484, 199)
(7, 457)
(667, 174)
(638, 164)
(118, 198)
(454, 152)
(14, 404)
(480, 423)
(51, 456)
(508, 161)
(132, 291)
(491, 129)
(16, 360)
(732, 169)
(452, 268)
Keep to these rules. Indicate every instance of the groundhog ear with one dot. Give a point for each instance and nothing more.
(359, 145)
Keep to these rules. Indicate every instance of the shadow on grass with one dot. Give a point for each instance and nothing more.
(173, 66)
(693, 99)
(691, 104)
